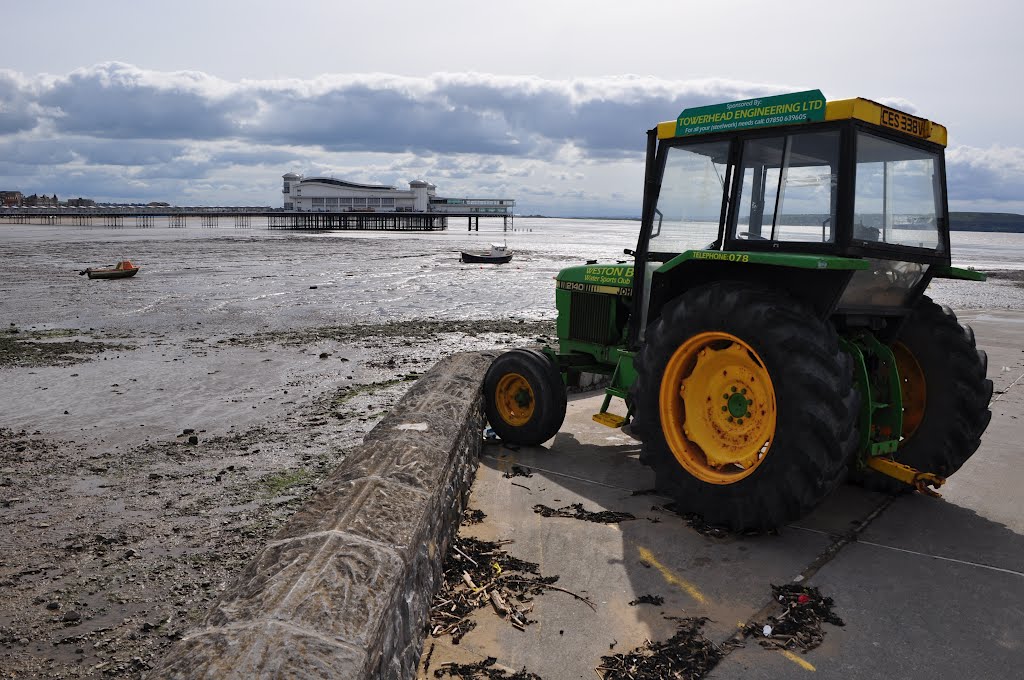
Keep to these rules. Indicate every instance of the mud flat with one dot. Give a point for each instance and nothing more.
(139, 472)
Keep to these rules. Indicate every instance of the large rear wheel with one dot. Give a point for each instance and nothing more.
(746, 404)
(525, 397)
(945, 395)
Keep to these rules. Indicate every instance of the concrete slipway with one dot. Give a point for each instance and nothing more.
(928, 588)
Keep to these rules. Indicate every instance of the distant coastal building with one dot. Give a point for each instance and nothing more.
(36, 201)
(11, 197)
(326, 194)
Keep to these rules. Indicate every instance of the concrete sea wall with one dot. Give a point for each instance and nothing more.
(344, 589)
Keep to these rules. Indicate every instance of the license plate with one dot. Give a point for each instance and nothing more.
(904, 122)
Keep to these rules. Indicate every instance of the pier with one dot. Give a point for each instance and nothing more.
(248, 217)
(359, 221)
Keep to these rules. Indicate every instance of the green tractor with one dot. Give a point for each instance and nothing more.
(772, 336)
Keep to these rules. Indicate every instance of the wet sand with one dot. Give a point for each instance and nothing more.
(139, 472)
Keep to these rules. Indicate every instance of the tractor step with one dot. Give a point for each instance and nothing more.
(609, 419)
(908, 475)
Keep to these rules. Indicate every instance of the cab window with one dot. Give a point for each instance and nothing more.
(788, 189)
(898, 195)
(689, 209)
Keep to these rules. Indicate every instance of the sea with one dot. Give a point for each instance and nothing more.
(256, 278)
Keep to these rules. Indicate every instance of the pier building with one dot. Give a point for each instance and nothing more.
(327, 194)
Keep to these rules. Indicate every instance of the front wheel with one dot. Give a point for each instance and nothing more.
(525, 397)
(747, 406)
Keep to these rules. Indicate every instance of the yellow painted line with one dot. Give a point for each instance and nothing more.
(797, 660)
(670, 578)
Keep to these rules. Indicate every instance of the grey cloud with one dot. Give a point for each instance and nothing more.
(449, 114)
(179, 168)
(466, 167)
(266, 156)
(604, 117)
(137, 152)
(43, 152)
(15, 121)
(974, 174)
(361, 118)
(88, 150)
(446, 114)
(519, 117)
(118, 101)
(16, 109)
(99, 183)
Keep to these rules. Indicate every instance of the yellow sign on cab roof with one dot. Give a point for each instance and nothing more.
(796, 108)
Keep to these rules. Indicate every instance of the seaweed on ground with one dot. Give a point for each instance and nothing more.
(482, 670)
(576, 511)
(421, 329)
(35, 349)
(687, 655)
(656, 600)
(644, 492)
(799, 624)
(518, 471)
(695, 522)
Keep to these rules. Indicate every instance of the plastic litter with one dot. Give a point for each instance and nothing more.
(767, 631)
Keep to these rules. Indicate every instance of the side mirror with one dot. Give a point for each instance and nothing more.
(627, 251)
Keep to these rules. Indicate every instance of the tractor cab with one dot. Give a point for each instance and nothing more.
(855, 187)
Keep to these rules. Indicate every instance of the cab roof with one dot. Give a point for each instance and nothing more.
(799, 107)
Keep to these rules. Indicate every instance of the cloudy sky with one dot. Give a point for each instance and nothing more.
(209, 102)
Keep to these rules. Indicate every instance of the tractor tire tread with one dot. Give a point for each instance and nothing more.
(957, 397)
(816, 413)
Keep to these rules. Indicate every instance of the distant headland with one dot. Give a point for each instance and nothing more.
(985, 221)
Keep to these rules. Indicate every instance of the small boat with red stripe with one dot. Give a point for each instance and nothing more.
(122, 270)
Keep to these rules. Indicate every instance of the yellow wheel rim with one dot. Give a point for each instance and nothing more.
(912, 387)
(717, 407)
(514, 399)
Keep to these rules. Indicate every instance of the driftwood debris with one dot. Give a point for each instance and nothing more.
(478, 574)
